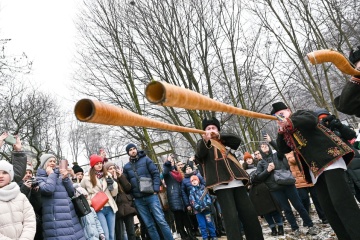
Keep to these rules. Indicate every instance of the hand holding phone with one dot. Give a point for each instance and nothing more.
(10, 139)
(63, 164)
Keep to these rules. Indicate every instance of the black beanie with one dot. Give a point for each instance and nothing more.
(212, 121)
(130, 145)
(277, 107)
(354, 56)
(77, 168)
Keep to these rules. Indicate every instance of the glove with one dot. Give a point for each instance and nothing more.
(328, 119)
(335, 124)
(110, 182)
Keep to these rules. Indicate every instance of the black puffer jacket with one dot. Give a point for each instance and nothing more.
(262, 175)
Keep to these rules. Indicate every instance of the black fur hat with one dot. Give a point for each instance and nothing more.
(277, 107)
(354, 56)
(212, 121)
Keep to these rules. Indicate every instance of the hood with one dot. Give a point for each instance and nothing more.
(265, 155)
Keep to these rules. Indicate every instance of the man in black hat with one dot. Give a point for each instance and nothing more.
(226, 177)
(322, 157)
(349, 100)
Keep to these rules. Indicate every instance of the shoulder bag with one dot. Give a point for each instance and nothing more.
(81, 205)
(284, 177)
(145, 183)
(99, 200)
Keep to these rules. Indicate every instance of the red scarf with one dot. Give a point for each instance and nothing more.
(176, 175)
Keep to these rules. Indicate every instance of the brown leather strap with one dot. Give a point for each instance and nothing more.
(222, 149)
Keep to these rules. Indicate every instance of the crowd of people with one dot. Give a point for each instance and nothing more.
(314, 157)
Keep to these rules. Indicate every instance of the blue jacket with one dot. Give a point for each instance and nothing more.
(59, 218)
(173, 188)
(91, 225)
(186, 186)
(199, 205)
(145, 168)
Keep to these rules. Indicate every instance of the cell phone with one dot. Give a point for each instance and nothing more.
(10, 139)
(63, 164)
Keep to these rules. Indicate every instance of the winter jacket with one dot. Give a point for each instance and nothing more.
(354, 171)
(19, 161)
(186, 186)
(144, 167)
(198, 204)
(17, 217)
(91, 225)
(220, 169)
(262, 175)
(124, 200)
(173, 188)
(300, 180)
(101, 185)
(349, 102)
(315, 146)
(59, 218)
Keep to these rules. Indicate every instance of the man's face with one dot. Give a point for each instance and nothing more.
(285, 113)
(133, 152)
(212, 128)
(28, 175)
(264, 148)
(257, 154)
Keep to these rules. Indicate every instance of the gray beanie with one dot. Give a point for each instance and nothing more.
(44, 158)
(7, 167)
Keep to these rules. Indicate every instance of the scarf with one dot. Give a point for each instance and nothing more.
(99, 174)
(9, 192)
(176, 175)
(187, 175)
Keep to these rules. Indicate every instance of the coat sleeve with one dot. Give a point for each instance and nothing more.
(19, 160)
(29, 227)
(202, 150)
(69, 187)
(155, 174)
(48, 186)
(166, 168)
(282, 146)
(261, 173)
(184, 195)
(304, 119)
(126, 186)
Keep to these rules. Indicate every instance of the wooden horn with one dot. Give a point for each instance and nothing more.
(165, 94)
(328, 55)
(93, 111)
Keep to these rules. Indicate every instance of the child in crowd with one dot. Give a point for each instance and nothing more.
(202, 205)
(90, 222)
(17, 217)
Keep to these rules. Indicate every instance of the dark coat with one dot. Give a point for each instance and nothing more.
(173, 189)
(354, 171)
(349, 100)
(217, 169)
(263, 176)
(59, 218)
(19, 161)
(186, 186)
(145, 168)
(315, 146)
(262, 200)
(124, 201)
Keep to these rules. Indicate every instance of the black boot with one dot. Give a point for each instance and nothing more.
(274, 231)
(281, 230)
(191, 234)
(184, 235)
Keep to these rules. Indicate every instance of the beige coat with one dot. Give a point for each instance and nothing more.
(100, 185)
(17, 217)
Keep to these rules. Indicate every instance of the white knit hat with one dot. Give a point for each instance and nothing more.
(7, 167)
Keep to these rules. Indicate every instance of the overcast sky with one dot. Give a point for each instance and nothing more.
(45, 31)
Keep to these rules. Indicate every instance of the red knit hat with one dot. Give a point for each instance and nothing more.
(247, 155)
(194, 177)
(94, 159)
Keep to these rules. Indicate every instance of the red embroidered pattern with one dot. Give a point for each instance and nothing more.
(334, 151)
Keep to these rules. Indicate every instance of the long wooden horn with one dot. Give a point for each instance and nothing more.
(165, 94)
(93, 111)
(328, 55)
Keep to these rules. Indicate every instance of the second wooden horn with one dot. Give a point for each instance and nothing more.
(169, 95)
(93, 111)
(328, 55)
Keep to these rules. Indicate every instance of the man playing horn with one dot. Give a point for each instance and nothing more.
(224, 174)
(322, 158)
(349, 100)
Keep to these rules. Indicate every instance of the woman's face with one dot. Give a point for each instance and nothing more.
(4, 178)
(188, 170)
(98, 166)
(51, 162)
(112, 170)
(249, 160)
(264, 148)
